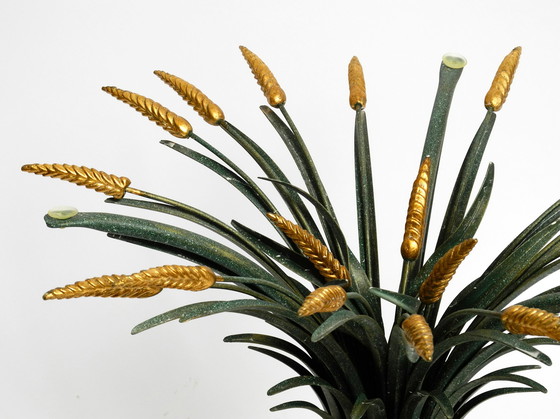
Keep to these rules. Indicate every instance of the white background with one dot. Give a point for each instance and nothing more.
(76, 358)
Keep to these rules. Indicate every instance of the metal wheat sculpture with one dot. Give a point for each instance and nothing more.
(309, 284)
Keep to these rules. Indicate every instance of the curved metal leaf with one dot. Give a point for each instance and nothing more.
(475, 401)
(363, 405)
(301, 404)
(406, 302)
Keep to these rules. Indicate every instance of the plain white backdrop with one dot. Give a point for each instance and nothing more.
(76, 358)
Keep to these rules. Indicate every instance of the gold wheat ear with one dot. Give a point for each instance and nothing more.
(497, 94)
(84, 176)
(169, 121)
(266, 80)
(319, 254)
(194, 97)
(419, 335)
(323, 300)
(523, 320)
(188, 278)
(416, 215)
(356, 84)
(433, 287)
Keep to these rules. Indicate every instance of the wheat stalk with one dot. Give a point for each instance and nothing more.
(416, 215)
(323, 300)
(523, 320)
(169, 121)
(194, 97)
(496, 96)
(321, 257)
(84, 176)
(433, 287)
(357, 84)
(419, 335)
(266, 80)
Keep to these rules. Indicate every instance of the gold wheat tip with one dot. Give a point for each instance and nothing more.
(321, 257)
(142, 284)
(270, 87)
(323, 300)
(90, 178)
(419, 335)
(499, 89)
(172, 123)
(523, 320)
(194, 97)
(357, 84)
(433, 287)
(415, 219)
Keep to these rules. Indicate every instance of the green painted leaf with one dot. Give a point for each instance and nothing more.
(301, 404)
(367, 229)
(475, 401)
(339, 318)
(364, 405)
(406, 302)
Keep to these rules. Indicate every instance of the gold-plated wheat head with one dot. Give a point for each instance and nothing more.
(499, 89)
(142, 284)
(357, 84)
(323, 300)
(321, 257)
(416, 216)
(270, 87)
(433, 287)
(194, 97)
(84, 176)
(523, 320)
(169, 121)
(419, 335)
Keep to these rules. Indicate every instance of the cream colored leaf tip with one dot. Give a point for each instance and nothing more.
(62, 212)
(453, 60)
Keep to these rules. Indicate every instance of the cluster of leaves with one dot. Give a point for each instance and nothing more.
(354, 369)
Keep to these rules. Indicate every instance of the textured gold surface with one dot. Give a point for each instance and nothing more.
(357, 84)
(194, 97)
(531, 321)
(323, 300)
(321, 257)
(90, 178)
(143, 284)
(499, 89)
(415, 219)
(433, 287)
(419, 336)
(270, 87)
(172, 123)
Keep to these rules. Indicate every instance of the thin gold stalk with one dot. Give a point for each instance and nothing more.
(321, 257)
(499, 89)
(194, 97)
(169, 121)
(531, 321)
(323, 300)
(433, 287)
(103, 286)
(90, 178)
(419, 335)
(416, 216)
(270, 87)
(143, 284)
(357, 84)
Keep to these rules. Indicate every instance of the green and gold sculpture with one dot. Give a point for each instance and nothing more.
(308, 283)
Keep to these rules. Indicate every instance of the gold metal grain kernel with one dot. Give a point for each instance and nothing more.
(323, 300)
(319, 254)
(523, 320)
(169, 121)
(266, 80)
(357, 84)
(416, 215)
(433, 287)
(194, 97)
(496, 96)
(419, 335)
(84, 176)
